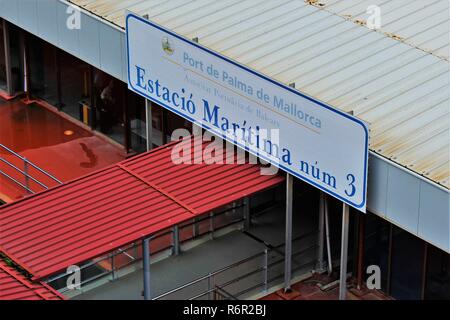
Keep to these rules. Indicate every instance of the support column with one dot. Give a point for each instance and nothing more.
(361, 240)
(149, 124)
(146, 271)
(126, 120)
(9, 84)
(288, 240)
(176, 240)
(25, 57)
(320, 266)
(344, 252)
(327, 236)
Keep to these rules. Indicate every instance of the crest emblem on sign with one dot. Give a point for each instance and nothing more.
(167, 46)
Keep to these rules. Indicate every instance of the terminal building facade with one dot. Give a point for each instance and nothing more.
(71, 57)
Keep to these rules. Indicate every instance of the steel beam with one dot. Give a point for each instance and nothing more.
(344, 252)
(288, 240)
(146, 260)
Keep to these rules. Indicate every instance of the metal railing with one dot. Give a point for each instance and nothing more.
(215, 290)
(28, 179)
(133, 250)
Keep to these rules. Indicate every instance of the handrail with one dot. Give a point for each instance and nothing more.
(24, 172)
(236, 264)
(30, 163)
(134, 245)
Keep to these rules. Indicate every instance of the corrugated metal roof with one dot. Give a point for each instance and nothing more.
(91, 216)
(15, 286)
(397, 79)
(422, 24)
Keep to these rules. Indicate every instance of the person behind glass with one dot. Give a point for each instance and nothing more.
(106, 107)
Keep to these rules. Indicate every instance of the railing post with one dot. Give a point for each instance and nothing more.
(194, 228)
(25, 169)
(146, 266)
(247, 217)
(175, 241)
(113, 267)
(288, 234)
(211, 224)
(266, 268)
(320, 265)
(210, 286)
(344, 252)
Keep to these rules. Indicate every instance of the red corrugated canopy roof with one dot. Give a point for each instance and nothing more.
(105, 210)
(15, 286)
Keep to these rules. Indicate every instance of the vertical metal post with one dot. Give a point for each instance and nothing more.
(175, 241)
(211, 224)
(59, 103)
(288, 235)
(424, 271)
(266, 268)
(126, 119)
(146, 260)
(361, 240)
(24, 57)
(113, 267)
(210, 286)
(136, 252)
(344, 252)
(194, 228)
(247, 218)
(9, 82)
(327, 235)
(321, 241)
(149, 124)
(389, 268)
(27, 179)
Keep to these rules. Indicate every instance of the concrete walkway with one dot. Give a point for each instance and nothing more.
(178, 270)
(213, 255)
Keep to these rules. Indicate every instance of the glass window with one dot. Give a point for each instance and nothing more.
(43, 71)
(157, 125)
(438, 275)
(2, 59)
(174, 122)
(75, 86)
(109, 98)
(407, 265)
(377, 233)
(16, 55)
(138, 129)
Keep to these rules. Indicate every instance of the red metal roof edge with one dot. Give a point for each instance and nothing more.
(27, 283)
(16, 260)
(120, 165)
